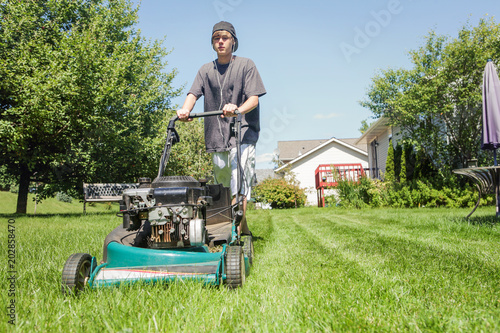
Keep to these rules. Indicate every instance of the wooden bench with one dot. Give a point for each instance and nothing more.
(486, 180)
(103, 192)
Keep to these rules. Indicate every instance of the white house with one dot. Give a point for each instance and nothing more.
(376, 142)
(303, 157)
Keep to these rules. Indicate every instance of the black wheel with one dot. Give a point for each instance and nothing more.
(75, 273)
(248, 248)
(235, 267)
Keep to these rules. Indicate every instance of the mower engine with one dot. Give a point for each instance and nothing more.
(173, 208)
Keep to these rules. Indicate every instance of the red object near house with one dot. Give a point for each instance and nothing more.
(327, 175)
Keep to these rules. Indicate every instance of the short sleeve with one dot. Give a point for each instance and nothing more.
(197, 89)
(253, 82)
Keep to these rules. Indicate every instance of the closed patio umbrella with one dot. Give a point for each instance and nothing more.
(491, 109)
(488, 178)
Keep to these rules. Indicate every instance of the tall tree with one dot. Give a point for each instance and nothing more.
(402, 172)
(438, 101)
(390, 173)
(82, 97)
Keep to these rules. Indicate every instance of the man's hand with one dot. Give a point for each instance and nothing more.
(229, 110)
(183, 115)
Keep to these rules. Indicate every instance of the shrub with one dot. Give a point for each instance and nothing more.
(7, 181)
(280, 193)
(64, 197)
(352, 194)
(390, 175)
(14, 188)
(364, 193)
(375, 193)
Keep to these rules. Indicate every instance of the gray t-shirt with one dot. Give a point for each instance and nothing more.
(238, 81)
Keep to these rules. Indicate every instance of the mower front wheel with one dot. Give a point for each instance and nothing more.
(75, 273)
(235, 267)
(248, 248)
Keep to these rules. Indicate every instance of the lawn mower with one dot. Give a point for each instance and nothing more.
(174, 227)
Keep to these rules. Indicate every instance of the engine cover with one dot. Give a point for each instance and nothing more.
(175, 181)
(178, 195)
(174, 208)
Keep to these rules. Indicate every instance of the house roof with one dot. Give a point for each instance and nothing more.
(289, 150)
(375, 130)
(359, 149)
(353, 142)
(263, 174)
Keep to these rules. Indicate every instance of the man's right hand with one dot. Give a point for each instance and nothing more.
(183, 115)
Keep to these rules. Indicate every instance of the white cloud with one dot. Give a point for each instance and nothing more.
(325, 116)
(264, 158)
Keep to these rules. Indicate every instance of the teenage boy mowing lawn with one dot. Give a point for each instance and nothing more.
(229, 83)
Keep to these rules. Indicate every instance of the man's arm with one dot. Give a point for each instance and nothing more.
(187, 107)
(250, 104)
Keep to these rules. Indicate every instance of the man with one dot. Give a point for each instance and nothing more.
(229, 83)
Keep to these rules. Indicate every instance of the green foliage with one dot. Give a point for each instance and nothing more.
(14, 188)
(402, 172)
(390, 173)
(280, 193)
(365, 125)
(352, 194)
(64, 197)
(437, 103)
(83, 96)
(7, 180)
(189, 156)
(375, 193)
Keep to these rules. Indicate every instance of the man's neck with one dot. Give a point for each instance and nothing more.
(223, 60)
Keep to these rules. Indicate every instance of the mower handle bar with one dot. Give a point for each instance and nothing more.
(203, 114)
(172, 136)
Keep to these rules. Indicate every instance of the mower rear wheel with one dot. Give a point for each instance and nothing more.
(75, 273)
(248, 248)
(235, 267)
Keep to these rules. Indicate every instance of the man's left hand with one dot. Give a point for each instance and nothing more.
(229, 110)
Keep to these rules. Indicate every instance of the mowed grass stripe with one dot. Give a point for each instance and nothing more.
(360, 305)
(441, 233)
(380, 250)
(434, 222)
(412, 254)
(324, 298)
(412, 272)
(272, 284)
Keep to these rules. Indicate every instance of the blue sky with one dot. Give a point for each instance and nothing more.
(316, 58)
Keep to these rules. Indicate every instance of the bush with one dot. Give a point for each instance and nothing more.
(280, 193)
(7, 181)
(353, 194)
(375, 193)
(364, 193)
(14, 188)
(64, 197)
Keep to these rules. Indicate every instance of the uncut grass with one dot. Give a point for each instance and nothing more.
(315, 270)
(8, 203)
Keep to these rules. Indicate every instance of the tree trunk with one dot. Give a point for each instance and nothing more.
(24, 185)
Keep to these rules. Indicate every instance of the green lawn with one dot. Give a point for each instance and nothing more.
(8, 202)
(314, 270)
